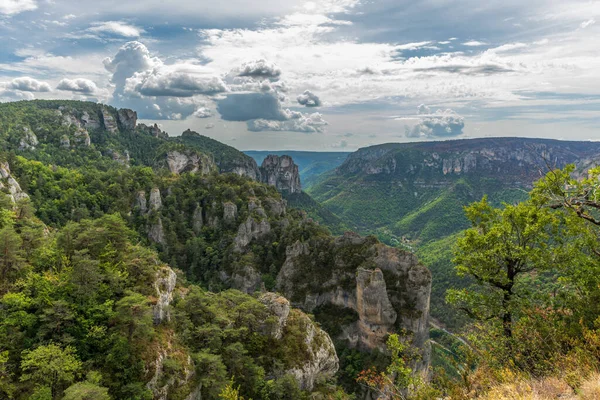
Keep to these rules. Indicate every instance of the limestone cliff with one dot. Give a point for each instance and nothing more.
(9, 184)
(189, 161)
(387, 288)
(321, 360)
(282, 173)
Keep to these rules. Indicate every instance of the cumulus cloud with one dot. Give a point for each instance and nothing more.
(132, 57)
(296, 122)
(79, 85)
(166, 82)
(202, 112)
(117, 28)
(259, 69)
(157, 90)
(27, 84)
(12, 7)
(442, 123)
(308, 99)
(247, 106)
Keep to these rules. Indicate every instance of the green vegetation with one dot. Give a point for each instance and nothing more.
(78, 269)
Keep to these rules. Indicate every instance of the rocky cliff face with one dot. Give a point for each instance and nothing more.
(322, 360)
(10, 185)
(127, 119)
(190, 161)
(282, 173)
(515, 161)
(386, 287)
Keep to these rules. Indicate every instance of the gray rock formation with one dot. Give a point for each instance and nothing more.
(322, 360)
(15, 192)
(28, 139)
(82, 137)
(250, 230)
(127, 119)
(164, 286)
(229, 212)
(189, 161)
(156, 232)
(247, 280)
(109, 122)
(282, 173)
(280, 308)
(90, 121)
(141, 202)
(155, 199)
(386, 287)
(197, 221)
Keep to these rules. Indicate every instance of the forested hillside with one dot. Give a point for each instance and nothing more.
(138, 266)
(412, 195)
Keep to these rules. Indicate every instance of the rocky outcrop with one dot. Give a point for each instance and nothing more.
(156, 232)
(82, 137)
(280, 308)
(229, 212)
(282, 173)
(8, 182)
(387, 288)
(155, 199)
(109, 122)
(247, 280)
(127, 119)
(189, 161)
(28, 139)
(121, 158)
(164, 286)
(141, 202)
(153, 130)
(321, 360)
(250, 230)
(90, 121)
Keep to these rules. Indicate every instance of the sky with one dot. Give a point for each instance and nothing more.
(332, 75)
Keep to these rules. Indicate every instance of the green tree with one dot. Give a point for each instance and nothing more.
(503, 246)
(134, 316)
(11, 259)
(50, 366)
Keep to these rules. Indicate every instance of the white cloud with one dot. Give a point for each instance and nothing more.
(178, 81)
(259, 69)
(297, 122)
(118, 28)
(413, 46)
(587, 23)
(442, 123)
(474, 43)
(202, 112)
(80, 85)
(27, 84)
(12, 7)
(308, 99)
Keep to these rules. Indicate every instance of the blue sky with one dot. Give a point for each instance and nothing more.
(316, 75)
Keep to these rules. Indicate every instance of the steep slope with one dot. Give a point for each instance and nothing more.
(411, 195)
(222, 230)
